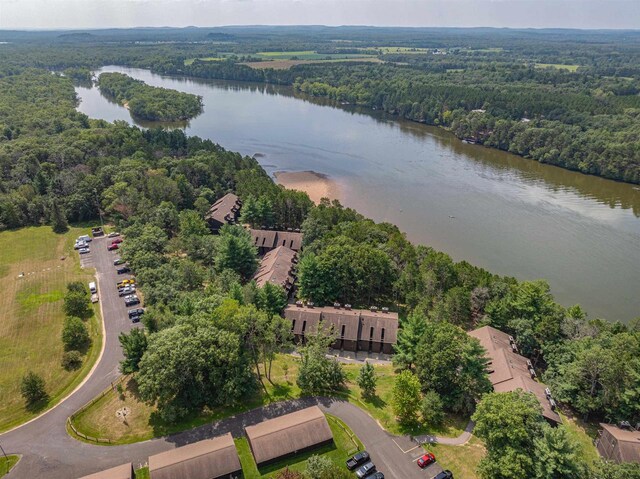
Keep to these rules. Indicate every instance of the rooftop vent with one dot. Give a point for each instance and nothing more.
(553, 404)
(336, 305)
(547, 392)
(511, 340)
(373, 309)
(625, 425)
(299, 304)
(532, 373)
(289, 229)
(347, 306)
(297, 230)
(514, 348)
(385, 310)
(529, 363)
(310, 304)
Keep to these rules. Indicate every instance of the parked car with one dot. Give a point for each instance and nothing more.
(94, 298)
(80, 244)
(425, 460)
(85, 238)
(125, 282)
(117, 241)
(123, 270)
(92, 287)
(131, 300)
(127, 290)
(446, 474)
(135, 312)
(113, 234)
(97, 232)
(118, 261)
(364, 471)
(112, 246)
(356, 460)
(376, 475)
(84, 250)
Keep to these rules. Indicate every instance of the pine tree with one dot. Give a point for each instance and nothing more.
(409, 337)
(367, 380)
(58, 218)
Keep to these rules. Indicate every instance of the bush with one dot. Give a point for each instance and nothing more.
(74, 334)
(33, 389)
(432, 408)
(71, 360)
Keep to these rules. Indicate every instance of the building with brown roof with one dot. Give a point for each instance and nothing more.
(266, 240)
(619, 444)
(508, 371)
(209, 459)
(288, 435)
(278, 267)
(224, 211)
(355, 329)
(125, 471)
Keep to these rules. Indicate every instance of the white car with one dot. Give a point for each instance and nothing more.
(80, 244)
(84, 239)
(84, 250)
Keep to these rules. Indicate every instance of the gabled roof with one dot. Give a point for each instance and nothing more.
(224, 210)
(270, 239)
(625, 442)
(125, 471)
(288, 434)
(208, 459)
(277, 267)
(379, 321)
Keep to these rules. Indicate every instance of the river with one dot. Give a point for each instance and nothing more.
(507, 214)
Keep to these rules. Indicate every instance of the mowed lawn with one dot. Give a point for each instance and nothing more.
(7, 463)
(32, 316)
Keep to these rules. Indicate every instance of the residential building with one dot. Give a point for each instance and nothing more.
(619, 444)
(266, 240)
(223, 212)
(125, 471)
(278, 267)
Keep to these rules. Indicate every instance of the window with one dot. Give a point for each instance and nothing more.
(304, 326)
(293, 325)
(342, 332)
(382, 336)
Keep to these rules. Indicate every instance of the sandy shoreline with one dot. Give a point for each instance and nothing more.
(316, 185)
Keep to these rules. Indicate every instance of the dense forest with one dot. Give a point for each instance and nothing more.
(211, 333)
(148, 102)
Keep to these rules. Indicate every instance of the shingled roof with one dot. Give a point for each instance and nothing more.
(225, 210)
(208, 459)
(277, 267)
(125, 471)
(620, 445)
(509, 371)
(270, 239)
(288, 434)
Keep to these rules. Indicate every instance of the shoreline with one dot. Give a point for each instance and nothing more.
(316, 185)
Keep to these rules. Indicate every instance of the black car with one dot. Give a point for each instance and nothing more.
(135, 313)
(377, 475)
(446, 474)
(364, 471)
(123, 270)
(356, 460)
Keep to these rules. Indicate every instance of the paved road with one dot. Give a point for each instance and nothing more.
(49, 452)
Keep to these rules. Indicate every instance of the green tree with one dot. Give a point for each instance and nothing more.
(71, 360)
(558, 455)
(134, 346)
(58, 218)
(76, 301)
(271, 298)
(32, 389)
(612, 470)
(75, 335)
(409, 338)
(319, 373)
(236, 251)
(321, 467)
(406, 397)
(367, 379)
(192, 224)
(432, 408)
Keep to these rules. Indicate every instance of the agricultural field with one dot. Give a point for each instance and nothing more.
(558, 66)
(308, 55)
(189, 61)
(286, 64)
(32, 319)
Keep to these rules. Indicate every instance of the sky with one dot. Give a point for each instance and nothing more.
(53, 14)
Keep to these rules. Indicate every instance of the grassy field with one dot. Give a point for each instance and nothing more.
(7, 463)
(143, 423)
(189, 61)
(461, 460)
(558, 66)
(584, 434)
(286, 64)
(32, 316)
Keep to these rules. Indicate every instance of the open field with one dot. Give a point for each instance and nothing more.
(308, 55)
(189, 61)
(286, 64)
(584, 434)
(143, 423)
(461, 460)
(7, 463)
(32, 316)
(557, 66)
(345, 445)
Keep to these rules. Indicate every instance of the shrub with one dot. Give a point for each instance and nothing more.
(432, 409)
(71, 360)
(32, 388)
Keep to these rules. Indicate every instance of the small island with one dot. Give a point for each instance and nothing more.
(148, 102)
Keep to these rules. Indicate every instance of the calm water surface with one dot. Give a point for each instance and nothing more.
(507, 214)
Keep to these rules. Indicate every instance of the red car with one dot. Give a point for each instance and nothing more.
(112, 246)
(117, 241)
(425, 460)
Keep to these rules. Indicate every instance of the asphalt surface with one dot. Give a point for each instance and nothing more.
(49, 452)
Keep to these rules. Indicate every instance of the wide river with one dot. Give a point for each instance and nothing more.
(510, 215)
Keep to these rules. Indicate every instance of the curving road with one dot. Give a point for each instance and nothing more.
(49, 452)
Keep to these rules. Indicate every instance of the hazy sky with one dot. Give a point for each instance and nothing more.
(463, 13)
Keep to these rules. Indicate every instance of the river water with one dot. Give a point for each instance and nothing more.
(507, 214)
